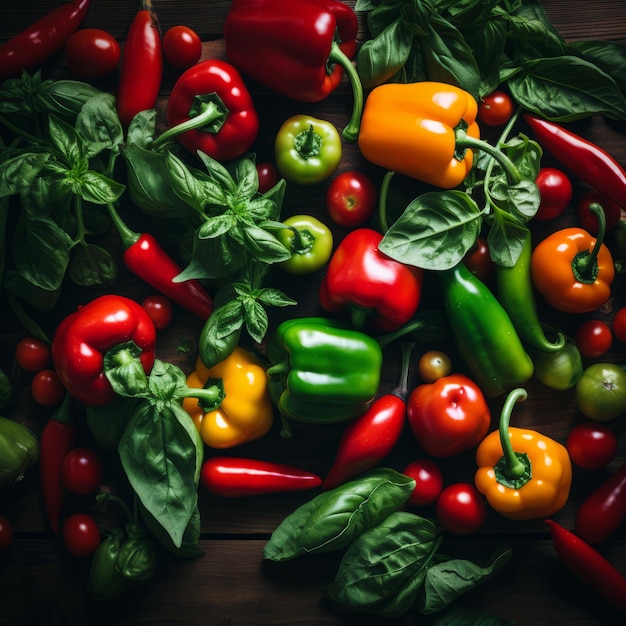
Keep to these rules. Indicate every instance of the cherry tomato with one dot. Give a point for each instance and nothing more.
(461, 509)
(81, 471)
(268, 176)
(434, 364)
(32, 354)
(601, 392)
(593, 338)
(478, 261)
(6, 533)
(160, 310)
(555, 189)
(81, 536)
(619, 324)
(428, 481)
(496, 109)
(612, 211)
(592, 446)
(47, 388)
(351, 199)
(182, 46)
(92, 53)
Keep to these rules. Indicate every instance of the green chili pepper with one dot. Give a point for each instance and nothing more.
(516, 294)
(321, 371)
(484, 333)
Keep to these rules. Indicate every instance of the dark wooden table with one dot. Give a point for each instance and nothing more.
(41, 584)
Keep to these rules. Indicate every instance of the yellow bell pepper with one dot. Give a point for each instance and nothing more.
(244, 410)
(522, 473)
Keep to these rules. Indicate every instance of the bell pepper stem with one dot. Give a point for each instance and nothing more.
(302, 241)
(513, 467)
(351, 131)
(585, 263)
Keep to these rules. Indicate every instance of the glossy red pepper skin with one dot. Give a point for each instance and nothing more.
(141, 69)
(57, 439)
(604, 509)
(377, 289)
(235, 477)
(586, 160)
(46, 36)
(83, 339)
(234, 125)
(285, 45)
(589, 565)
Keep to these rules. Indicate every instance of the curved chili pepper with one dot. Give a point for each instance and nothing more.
(604, 509)
(586, 160)
(589, 565)
(57, 439)
(233, 477)
(144, 256)
(37, 43)
(142, 65)
(371, 437)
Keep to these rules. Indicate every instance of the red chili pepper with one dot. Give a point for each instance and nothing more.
(586, 160)
(144, 256)
(589, 565)
(57, 439)
(37, 43)
(233, 477)
(360, 276)
(142, 65)
(604, 509)
(368, 439)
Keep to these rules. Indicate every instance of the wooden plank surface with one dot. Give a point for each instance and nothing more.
(40, 584)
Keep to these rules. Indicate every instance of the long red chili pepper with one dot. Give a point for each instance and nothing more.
(144, 256)
(586, 160)
(589, 565)
(369, 438)
(142, 65)
(37, 43)
(57, 439)
(604, 509)
(233, 477)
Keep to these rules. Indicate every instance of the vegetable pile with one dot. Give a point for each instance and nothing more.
(445, 244)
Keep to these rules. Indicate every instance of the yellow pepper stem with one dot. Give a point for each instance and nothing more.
(514, 469)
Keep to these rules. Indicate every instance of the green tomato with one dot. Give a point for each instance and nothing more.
(307, 150)
(559, 370)
(309, 241)
(601, 392)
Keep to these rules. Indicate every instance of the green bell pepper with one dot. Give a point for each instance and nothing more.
(321, 371)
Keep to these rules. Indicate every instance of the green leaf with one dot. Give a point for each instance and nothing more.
(68, 143)
(65, 98)
(609, 56)
(184, 184)
(99, 189)
(219, 174)
(435, 231)
(18, 172)
(256, 320)
(92, 266)
(99, 125)
(216, 226)
(274, 297)
(142, 129)
(264, 246)
(506, 238)
(247, 180)
(108, 422)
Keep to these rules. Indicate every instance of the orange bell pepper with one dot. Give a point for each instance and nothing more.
(522, 473)
(243, 411)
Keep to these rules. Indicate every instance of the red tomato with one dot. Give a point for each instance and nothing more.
(478, 261)
(32, 354)
(160, 310)
(351, 199)
(182, 46)
(47, 388)
(556, 193)
(592, 446)
(268, 176)
(612, 211)
(92, 53)
(593, 338)
(428, 481)
(496, 109)
(81, 471)
(81, 536)
(6, 533)
(619, 324)
(461, 509)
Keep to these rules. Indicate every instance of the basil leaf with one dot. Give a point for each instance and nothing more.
(142, 128)
(68, 143)
(108, 422)
(184, 184)
(609, 56)
(65, 98)
(99, 125)
(19, 171)
(92, 266)
(99, 189)
(263, 246)
(505, 238)
(335, 518)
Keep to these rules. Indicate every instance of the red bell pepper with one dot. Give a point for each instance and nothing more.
(46, 36)
(368, 439)
(300, 49)
(211, 110)
(233, 477)
(94, 336)
(360, 276)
